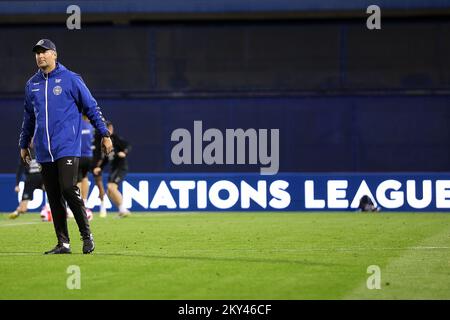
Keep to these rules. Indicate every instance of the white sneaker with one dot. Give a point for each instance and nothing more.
(102, 213)
(124, 213)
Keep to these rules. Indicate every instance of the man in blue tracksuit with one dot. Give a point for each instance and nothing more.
(55, 99)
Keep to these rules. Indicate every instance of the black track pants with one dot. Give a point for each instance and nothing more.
(60, 180)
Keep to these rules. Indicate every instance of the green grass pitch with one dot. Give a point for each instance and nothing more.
(232, 256)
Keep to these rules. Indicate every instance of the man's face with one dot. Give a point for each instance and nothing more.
(45, 58)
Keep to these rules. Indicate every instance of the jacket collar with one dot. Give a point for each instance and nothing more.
(59, 67)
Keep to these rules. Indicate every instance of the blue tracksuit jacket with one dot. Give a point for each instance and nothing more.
(53, 107)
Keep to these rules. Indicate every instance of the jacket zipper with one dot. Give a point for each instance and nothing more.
(46, 118)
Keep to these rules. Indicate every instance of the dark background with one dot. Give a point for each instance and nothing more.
(344, 98)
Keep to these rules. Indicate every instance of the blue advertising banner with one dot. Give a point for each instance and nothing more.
(254, 192)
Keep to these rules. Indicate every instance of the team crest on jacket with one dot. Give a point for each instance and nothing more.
(57, 90)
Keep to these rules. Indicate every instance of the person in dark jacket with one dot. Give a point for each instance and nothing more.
(119, 168)
(99, 161)
(55, 98)
(33, 181)
(366, 205)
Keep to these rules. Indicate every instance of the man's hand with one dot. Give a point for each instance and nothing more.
(25, 155)
(107, 145)
(17, 189)
(97, 171)
(121, 154)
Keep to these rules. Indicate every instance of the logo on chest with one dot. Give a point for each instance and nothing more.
(57, 90)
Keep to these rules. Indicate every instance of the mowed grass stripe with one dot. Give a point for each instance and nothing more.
(423, 272)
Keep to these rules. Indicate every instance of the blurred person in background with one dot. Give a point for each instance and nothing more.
(33, 181)
(118, 169)
(99, 160)
(87, 136)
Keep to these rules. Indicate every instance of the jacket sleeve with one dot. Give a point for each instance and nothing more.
(86, 102)
(29, 122)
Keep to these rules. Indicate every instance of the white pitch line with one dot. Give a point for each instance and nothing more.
(280, 250)
(20, 254)
(18, 224)
(355, 249)
(426, 248)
